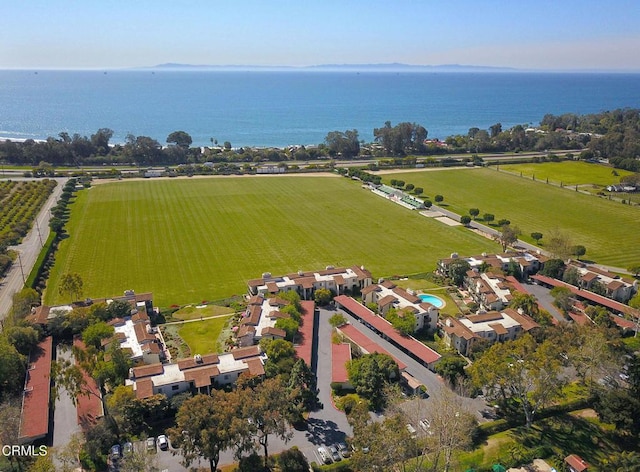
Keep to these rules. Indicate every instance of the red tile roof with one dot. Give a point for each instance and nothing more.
(255, 366)
(304, 347)
(415, 347)
(190, 362)
(368, 344)
(147, 370)
(34, 422)
(244, 352)
(576, 463)
(386, 300)
(89, 406)
(340, 355)
(202, 376)
(599, 299)
(272, 331)
(40, 315)
(144, 388)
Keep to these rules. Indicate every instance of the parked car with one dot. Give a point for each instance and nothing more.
(425, 424)
(335, 456)
(163, 442)
(343, 449)
(127, 448)
(115, 453)
(325, 457)
(411, 429)
(151, 444)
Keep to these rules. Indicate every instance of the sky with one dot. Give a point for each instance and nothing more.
(538, 34)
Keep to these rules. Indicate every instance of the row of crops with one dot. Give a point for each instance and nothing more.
(20, 203)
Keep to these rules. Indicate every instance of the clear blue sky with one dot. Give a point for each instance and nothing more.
(538, 34)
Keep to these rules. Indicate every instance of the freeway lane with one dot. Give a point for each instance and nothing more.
(28, 249)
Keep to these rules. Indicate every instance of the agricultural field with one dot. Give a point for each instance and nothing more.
(188, 240)
(20, 202)
(569, 172)
(606, 228)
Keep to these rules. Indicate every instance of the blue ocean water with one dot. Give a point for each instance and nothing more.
(260, 108)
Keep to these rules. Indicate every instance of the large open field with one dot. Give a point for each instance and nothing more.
(189, 240)
(609, 230)
(569, 172)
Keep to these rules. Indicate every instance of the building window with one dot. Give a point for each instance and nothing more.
(175, 387)
(160, 390)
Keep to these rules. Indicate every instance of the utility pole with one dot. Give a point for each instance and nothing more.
(39, 234)
(24, 280)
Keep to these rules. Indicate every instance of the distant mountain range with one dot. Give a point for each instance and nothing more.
(386, 67)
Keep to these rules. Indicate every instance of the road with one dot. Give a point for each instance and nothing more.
(28, 251)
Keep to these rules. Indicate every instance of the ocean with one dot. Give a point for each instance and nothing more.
(259, 108)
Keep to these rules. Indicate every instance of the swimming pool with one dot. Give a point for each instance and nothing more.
(435, 301)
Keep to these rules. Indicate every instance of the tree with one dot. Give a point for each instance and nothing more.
(337, 320)
(420, 191)
(559, 245)
(578, 251)
(553, 268)
(521, 371)
(634, 269)
(207, 425)
(71, 284)
(536, 237)
(571, 276)
(428, 204)
(451, 427)
(503, 222)
(527, 303)
(438, 198)
(465, 220)
(322, 296)
(369, 373)
(139, 461)
(409, 187)
(488, 217)
(495, 130)
(302, 387)
(345, 144)
(474, 212)
(12, 370)
(289, 325)
(458, 269)
(451, 367)
(95, 333)
(23, 337)
(293, 460)
(507, 236)
(23, 301)
(403, 322)
(562, 298)
(180, 138)
(267, 405)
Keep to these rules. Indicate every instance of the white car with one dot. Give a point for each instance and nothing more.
(163, 442)
(425, 424)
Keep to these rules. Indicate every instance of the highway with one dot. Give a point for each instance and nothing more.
(28, 251)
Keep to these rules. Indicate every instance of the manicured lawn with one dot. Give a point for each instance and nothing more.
(202, 336)
(188, 240)
(569, 172)
(606, 228)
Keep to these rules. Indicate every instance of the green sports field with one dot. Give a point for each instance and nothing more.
(569, 172)
(189, 240)
(609, 230)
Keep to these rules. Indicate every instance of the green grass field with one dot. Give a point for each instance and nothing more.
(569, 172)
(202, 336)
(191, 312)
(607, 229)
(188, 240)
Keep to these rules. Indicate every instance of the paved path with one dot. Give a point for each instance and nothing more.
(28, 249)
